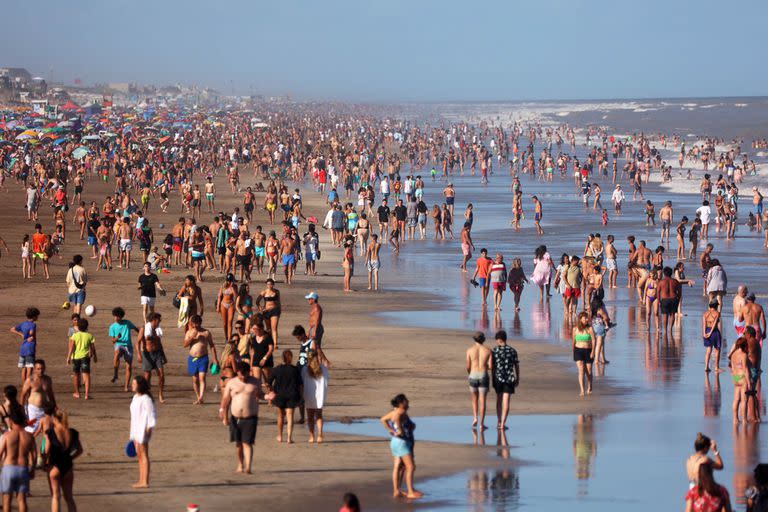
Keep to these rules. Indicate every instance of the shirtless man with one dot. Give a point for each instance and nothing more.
(467, 246)
(126, 242)
(666, 214)
(738, 302)
(243, 254)
(149, 348)
(178, 240)
(37, 395)
(757, 201)
(18, 452)
(372, 262)
(610, 262)
(478, 366)
(259, 249)
(210, 194)
(248, 202)
(450, 197)
(670, 291)
(288, 256)
(198, 340)
(538, 213)
(240, 410)
(752, 315)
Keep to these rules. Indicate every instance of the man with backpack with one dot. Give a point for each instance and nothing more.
(506, 375)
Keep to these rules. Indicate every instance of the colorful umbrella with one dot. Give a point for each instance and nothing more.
(80, 152)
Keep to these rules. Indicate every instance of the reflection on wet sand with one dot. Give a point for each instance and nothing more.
(745, 456)
(494, 490)
(712, 398)
(584, 450)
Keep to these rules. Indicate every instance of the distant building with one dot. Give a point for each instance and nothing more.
(16, 74)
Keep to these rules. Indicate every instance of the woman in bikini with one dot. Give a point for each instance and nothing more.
(225, 304)
(244, 306)
(268, 303)
(348, 263)
(363, 231)
(438, 218)
(584, 351)
(651, 304)
(272, 248)
(702, 445)
(741, 381)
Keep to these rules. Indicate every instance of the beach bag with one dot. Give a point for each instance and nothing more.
(176, 302)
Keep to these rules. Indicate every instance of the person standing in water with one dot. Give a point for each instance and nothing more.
(506, 376)
(584, 351)
(400, 427)
(710, 332)
(478, 365)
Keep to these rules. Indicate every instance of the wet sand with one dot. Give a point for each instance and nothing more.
(192, 459)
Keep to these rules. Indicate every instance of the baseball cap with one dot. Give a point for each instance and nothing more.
(312, 295)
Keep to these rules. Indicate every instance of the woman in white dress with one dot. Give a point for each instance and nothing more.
(314, 377)
(143, 420)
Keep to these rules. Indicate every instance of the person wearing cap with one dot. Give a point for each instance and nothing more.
(618, 198)
(316, 329)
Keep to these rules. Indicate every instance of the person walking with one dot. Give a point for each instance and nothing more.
(314, 378)
(143, 422)
(239, 410)
(506, 376)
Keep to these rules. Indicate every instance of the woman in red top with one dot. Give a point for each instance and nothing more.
(708, 495)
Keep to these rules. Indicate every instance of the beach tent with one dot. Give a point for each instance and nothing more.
(69, 106)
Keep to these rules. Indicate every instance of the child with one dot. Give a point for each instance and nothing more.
(394, 239)
(120, 332)
(81, 350)
(605, 217)
(26, 262)
(168, 248)
(57, 240)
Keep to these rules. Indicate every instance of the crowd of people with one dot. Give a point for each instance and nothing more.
(371, 176)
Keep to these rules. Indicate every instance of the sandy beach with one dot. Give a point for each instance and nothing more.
(192, 459)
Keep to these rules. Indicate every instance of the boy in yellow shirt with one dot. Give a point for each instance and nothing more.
(81, 350)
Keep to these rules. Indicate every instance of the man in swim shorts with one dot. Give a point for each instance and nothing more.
(198, 340)
(240, 410)
(37, 395)
(670, 291)
(18, 452)
(478, 365)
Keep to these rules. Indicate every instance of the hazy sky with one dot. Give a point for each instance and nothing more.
(393, 50)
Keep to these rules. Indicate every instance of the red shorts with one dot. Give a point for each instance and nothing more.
(573, 293)
(500, 286)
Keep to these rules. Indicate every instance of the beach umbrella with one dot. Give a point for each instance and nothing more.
(91, 137)
(66, 124)
(60, 141)
(25, 136)
(80, 152)
(260, 125)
